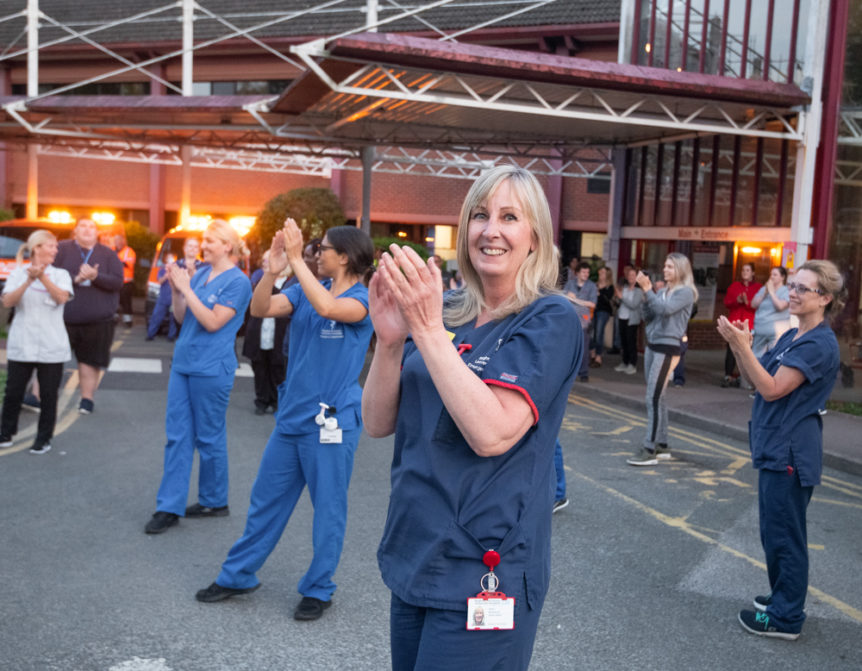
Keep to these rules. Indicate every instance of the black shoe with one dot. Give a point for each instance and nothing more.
(258, 410)
(40, 448)
(6, 441)
(310, 608)
(761, 624)
(216, 592)
(559, 505)
(197, 510)
(86, 406)
(161, 522)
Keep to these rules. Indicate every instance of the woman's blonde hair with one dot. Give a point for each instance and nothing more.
(226, 233)
(830, 282)
(537, 275)
(36, 238)
(682, 272)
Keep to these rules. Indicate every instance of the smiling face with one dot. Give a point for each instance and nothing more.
(213, 249)
(804, 302)
(499, 235)
(776, 277)
(191, 248)
(669, 272)
(45, 252)
(747, 272)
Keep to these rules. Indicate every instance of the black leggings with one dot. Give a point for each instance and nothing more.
(629, 342)
(19, 372)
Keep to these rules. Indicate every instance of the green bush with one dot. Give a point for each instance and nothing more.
(315, 210)
(383, 245)
(143, 241)
(6, 215)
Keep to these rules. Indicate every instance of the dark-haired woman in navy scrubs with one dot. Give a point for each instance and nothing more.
(329, 335)
(474, 385)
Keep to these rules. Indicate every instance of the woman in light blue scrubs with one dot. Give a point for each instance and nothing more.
(318, 420)
(210, 304)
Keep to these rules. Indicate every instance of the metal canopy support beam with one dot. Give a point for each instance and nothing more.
(367, 163)
(32, 90)
(381, 82)
(806, 156)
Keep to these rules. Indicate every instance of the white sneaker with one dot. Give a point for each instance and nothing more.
(621, 368)
(630, 370)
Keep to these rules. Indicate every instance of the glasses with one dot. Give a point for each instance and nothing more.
(801, 289)
(322, 248)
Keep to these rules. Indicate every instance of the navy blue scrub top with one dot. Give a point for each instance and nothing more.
(449, 505)
(199, 352)
(326, 358)
(789, 431)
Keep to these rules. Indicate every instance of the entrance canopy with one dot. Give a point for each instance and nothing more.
(417, 94)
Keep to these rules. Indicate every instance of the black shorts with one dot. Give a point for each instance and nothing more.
(91, 343)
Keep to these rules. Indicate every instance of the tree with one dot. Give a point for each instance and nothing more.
(315, 210)
(143, 241)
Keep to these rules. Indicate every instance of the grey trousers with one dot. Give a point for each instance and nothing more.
(658, 369)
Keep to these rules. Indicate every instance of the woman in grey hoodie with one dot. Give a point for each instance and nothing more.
(666, 314)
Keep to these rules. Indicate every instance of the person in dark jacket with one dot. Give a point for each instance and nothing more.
(263, 347)
(97, 275)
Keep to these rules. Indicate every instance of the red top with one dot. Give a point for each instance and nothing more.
(741, 311)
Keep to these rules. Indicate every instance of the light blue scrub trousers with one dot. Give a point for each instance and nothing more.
(195, 418)
(289, 463)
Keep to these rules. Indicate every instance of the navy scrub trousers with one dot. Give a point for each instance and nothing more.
(783, 533)
(195, 418)
(289, 463)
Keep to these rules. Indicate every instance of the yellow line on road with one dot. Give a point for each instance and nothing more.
(708, 443)
(681, 524)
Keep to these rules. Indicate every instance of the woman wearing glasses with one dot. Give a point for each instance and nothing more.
(793, 381)
(318, 419)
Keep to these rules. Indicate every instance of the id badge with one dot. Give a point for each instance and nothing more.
(330, 436)
(490, 610)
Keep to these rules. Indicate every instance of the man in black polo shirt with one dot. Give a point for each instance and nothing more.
(97, 274)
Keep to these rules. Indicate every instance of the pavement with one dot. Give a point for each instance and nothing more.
(703, 404)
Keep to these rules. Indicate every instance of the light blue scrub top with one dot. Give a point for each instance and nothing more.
(326, 358)
(199, 352)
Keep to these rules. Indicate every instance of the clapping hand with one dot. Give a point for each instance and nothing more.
(736, 334)
(415, 287)
(179, 278)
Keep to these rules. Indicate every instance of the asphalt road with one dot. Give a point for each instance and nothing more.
(650, 566)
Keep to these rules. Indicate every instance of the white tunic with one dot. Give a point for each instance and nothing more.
(38, 332)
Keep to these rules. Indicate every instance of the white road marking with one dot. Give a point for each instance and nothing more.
(120, 364)
(138, 664)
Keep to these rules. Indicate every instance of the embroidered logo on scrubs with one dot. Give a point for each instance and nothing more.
(479, 364)
(332, 330)
(508, 377)
(211, 299)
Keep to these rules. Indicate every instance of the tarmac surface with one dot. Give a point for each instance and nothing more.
(702, 403)
(649, 565)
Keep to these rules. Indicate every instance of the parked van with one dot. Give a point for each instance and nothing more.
(170, 248)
